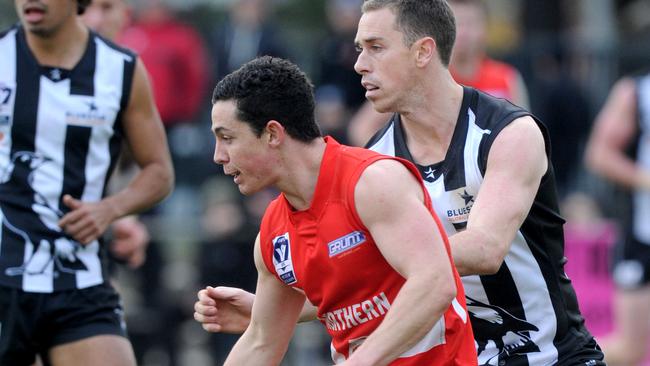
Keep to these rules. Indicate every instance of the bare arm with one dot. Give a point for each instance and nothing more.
(148, 143)
(613, 131)
(274, 317)
(407, 236)
(228, 309)
(516, 163)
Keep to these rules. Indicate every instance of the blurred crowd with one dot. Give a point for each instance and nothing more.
(558, 58)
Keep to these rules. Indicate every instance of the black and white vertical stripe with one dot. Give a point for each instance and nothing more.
(529, 304)
(70, 120)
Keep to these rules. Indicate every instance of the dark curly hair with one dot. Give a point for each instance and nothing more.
(269, 88)
(82, 5)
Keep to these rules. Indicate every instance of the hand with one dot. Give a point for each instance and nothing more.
(86, 221)
(130, 240)
(224, 309)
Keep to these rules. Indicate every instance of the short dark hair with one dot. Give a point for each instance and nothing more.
(82, 5)
(269, 88)
(421, 18)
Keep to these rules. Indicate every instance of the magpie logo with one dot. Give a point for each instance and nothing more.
(282, 259)
(499, 335)
(17, 180)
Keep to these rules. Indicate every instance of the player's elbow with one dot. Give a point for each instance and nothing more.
(164, 180)
(441, 289)
(491, 261)
(595, 158)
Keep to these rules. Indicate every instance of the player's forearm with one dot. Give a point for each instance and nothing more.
(308, 313)
(418, 306)
(153, 183)
(617, 167)
(475, 253)
(251, 349)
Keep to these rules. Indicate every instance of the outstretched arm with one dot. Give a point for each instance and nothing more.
(228, 309)
(273, 319)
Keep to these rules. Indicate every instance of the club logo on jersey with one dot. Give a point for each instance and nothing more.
(345, 243)
(499, 335)
(460, 206)
(89, 117)
(282, 259)
(50, 246)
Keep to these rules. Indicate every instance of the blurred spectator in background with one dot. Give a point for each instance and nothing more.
(562, 104)
(337, 54)
(226, 251)
(331, 113)
(469, 65)
(107, 17)
(244, 35)
(175, 57)
(619, 150)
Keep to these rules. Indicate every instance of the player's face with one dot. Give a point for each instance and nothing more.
(384, 61)
(242, 154)
(107, 17)
(45, 17)
(470, 30)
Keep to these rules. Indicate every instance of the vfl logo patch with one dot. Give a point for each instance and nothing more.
(282, 259)
(345, 243)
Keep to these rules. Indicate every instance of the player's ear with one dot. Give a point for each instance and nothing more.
(425, 50)
(274, 133)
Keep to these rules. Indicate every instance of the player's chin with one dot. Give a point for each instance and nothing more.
(379, 105)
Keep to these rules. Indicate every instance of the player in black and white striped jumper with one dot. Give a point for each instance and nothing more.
(619, 150)
(67, 99)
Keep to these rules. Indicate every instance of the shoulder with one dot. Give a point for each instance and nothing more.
(7, 32)
(128, 54)
(491, 111)
(385, 176)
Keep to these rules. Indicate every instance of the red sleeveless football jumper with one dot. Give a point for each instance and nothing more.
(327, 253)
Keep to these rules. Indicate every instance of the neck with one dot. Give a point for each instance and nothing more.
(63, 48)
(466, 67)
(301, 163)
(430, 124)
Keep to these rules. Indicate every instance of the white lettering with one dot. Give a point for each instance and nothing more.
(381, 302)
(356, 314)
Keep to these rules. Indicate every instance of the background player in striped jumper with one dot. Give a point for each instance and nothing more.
(619, 150)
(331, 235)
(485, 163)
(69, 97)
